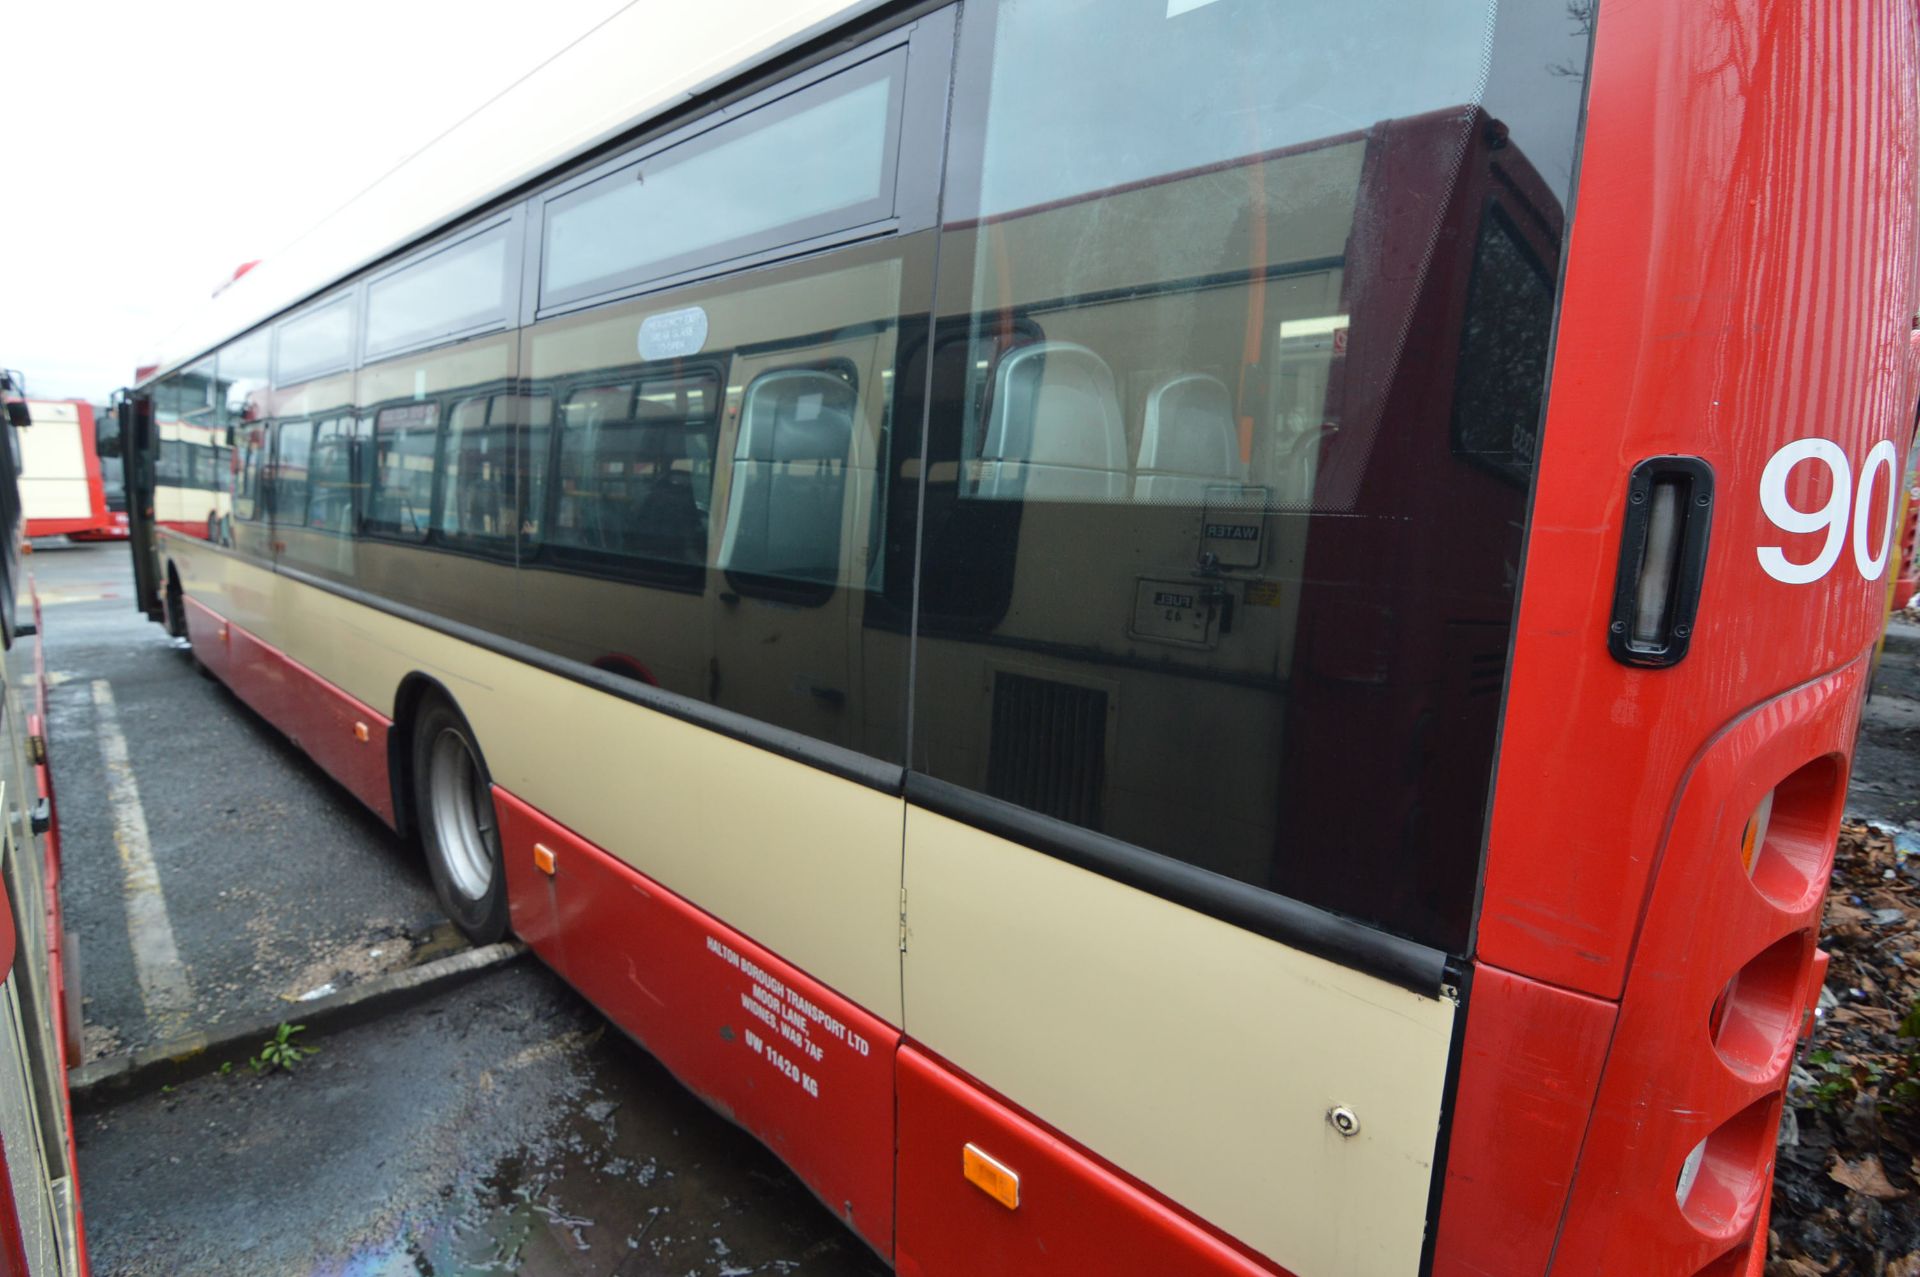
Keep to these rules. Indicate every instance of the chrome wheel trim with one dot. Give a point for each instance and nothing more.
(462, 815)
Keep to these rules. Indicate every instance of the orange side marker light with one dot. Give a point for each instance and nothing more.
(990, 1177)
(361, 734)
(543, 858)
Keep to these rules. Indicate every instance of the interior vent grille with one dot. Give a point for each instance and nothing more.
(1049, 747)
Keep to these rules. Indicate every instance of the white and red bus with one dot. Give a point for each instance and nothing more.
(68, 488)
(1165, 636)
(41, 1232)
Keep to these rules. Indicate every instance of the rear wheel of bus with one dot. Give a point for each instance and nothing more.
(174, 605)
(453, 795)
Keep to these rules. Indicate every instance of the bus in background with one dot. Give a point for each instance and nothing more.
(1112, 625)
(68, 488)
(41, 1232)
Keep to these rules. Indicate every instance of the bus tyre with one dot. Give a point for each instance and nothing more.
(173, 606)
(453, 796)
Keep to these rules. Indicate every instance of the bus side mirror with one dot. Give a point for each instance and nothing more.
(19, 415)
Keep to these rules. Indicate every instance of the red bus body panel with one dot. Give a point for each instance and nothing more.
(348, 739)
(1531, 1067)
(1770, 298)
(806, 1071)
(1668, 1085)
(1740, 275)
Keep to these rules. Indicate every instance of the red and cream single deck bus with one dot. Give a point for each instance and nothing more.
(40, 1225)
(67, 487)
(1164, 636)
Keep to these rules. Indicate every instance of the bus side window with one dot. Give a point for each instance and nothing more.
(404, 449)
(330, 502)
(1502, 374)
(785, 503)
(250, 503)
(170, 466)
(477, 494)
(530, 419)
(634, 467)
(289, 489)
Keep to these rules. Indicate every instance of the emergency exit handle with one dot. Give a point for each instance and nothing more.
(1663, 561)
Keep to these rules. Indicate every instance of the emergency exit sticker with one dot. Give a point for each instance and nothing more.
(673, 334)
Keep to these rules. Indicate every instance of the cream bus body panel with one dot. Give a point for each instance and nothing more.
(806, 863)
(53, 464)
(1199, 1057)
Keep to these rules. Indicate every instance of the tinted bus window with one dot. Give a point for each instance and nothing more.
(1203, 565)
(532, 419)
(249, 500)
(480, 497)
(708, 524)
(788, 489)
(189, 395)
(634, 464)
(404, 451)
(170, 466)
(243, 366)
(458, 289)
(1503, 351)
(320, 341)
(812, 162)
(290, 465)
(330, 497)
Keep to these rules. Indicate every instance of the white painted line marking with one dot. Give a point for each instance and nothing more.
(156, 960)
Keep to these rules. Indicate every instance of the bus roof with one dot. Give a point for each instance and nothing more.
(639, 64)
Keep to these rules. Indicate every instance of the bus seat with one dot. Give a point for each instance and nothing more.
(1188, 441)
(1055, 430)
(790, 476)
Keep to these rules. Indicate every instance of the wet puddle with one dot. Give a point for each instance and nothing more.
(640, 1178)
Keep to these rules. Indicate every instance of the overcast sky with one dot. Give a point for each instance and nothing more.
(146, 150)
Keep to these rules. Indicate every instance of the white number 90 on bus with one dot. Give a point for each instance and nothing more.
(1848, 504)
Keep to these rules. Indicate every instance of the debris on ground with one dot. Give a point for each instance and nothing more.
(1847, 1187)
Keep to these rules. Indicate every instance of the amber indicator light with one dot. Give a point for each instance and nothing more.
(543, 858)
(360, 733)
(990, 1177)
